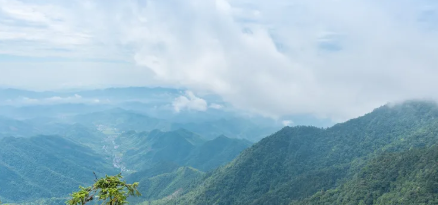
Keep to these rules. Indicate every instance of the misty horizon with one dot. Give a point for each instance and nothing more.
(282, 58)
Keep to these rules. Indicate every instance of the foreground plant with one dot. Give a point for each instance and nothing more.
(111, 190)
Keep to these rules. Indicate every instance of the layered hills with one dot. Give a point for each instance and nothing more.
(388, 156)
(44, 169)
(298, 162)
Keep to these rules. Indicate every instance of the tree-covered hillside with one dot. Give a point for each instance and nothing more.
(167, 185)
(409, 177)
(143, 150)
(297, 162)
(216, 152)
(35, 169)
(45, 167)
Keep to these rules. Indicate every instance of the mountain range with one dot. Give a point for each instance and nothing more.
(296, 163)
(45, 168)
(388, 156)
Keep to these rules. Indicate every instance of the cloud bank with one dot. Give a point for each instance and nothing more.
(189, 101)
(51, 100)
(334, 59)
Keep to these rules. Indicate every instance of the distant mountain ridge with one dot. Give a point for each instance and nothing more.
(156, 102)
(125, 120)
(110, 93)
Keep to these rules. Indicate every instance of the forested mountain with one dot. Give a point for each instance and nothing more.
(165, 184)
(45, 167)
(216, 152)
(184, 148)
(145, 149)
(388, 156)
(409, 177)
(297, 162)
(35, 169)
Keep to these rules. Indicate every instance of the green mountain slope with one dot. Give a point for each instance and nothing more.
(216, 152)
(166, 184)
(38, 168)
(410, 177)
(143, 150)
(297, 162)
(45, 167)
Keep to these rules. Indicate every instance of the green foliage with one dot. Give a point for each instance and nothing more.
(409, 177)
(111, 190)
(297, 162)
(82, 196)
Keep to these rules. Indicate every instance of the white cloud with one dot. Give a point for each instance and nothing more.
(50, 100)
(335, 58)
(74, 98)
(287, 122)
(189, 102)
(216, 106)
(27, 100)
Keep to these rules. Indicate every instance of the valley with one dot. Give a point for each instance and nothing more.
(122, 141)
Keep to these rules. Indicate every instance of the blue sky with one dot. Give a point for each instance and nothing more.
(329, 58)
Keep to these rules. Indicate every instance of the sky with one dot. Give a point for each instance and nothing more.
(334, 59)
